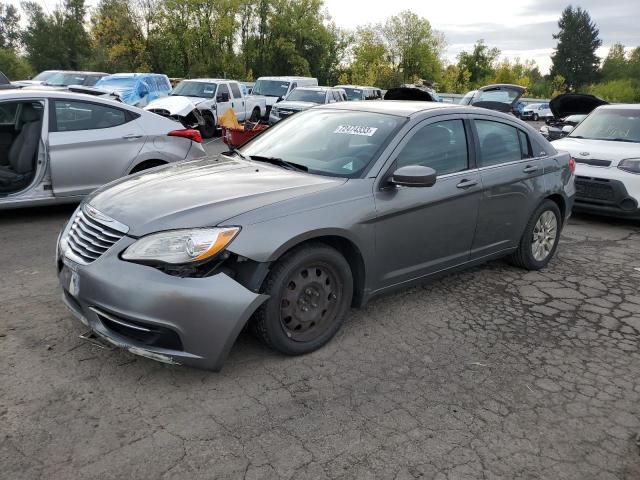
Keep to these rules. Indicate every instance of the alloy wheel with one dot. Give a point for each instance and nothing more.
(545, 234)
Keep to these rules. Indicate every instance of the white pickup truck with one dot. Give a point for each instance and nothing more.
(203, 101)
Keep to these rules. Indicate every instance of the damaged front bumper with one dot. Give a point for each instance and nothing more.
(186, 321)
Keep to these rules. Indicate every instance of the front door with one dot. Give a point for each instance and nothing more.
(223, 99)
(90, 144)
(237, 102)
(422, 230)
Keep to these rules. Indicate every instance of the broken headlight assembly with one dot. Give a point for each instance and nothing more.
(181, 247)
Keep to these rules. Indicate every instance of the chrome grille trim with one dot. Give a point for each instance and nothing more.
(91, 234)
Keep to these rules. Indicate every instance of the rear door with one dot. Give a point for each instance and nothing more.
(90, 144)
(420, 231)
(512, 181)
(237, 101)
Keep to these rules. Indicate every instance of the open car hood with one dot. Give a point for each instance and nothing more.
(500, 106)
(174, 104)
(409, 93)
(574, 103)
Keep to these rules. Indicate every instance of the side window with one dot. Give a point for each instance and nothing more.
(8, 113)
(235, 90)
(525, 146)
(293, 86)
(73, 116)
(499, 143)
(441, 146)
(222, 91)
(336, 96)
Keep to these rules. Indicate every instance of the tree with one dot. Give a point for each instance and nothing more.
(77, 46)
(413, 47)
(479, 63)
(9, 26)
(575, 56)
(117, 38)
(14, 66)
(615, 65)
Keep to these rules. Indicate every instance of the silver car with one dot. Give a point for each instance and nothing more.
(57, 147)
(321, 212)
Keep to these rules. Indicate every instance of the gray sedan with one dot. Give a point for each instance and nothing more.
(57, 147)
(318, 214)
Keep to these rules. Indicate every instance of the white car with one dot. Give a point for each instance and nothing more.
(606, 148)
(274, 89)
(205, 100)
(57, 146)
(536, 111)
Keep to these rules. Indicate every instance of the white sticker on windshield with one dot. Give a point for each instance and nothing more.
(208, 90)
(284, 85)
(356, 130)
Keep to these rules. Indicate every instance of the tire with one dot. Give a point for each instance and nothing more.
(208, 130)
(535, 117)
(314, 277)
(255, 115)
(538, 244)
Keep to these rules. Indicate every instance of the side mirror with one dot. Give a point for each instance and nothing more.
(567, 129)
(222, 97)
(414, 176)
(279, 99)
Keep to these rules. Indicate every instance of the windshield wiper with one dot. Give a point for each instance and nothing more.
(620, 140)
(280, 162)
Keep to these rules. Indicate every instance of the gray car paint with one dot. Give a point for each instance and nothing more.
(391, 236)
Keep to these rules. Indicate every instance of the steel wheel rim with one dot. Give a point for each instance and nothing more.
(545, 233)
(310, 301)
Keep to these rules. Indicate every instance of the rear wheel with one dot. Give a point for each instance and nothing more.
(310, 291)
(208, 130)
(540, 239)
(255, 115)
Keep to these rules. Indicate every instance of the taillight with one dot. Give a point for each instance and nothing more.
(189, 133)
(572, 165)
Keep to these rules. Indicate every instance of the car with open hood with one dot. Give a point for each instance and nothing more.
(321, 212)
(501, 97)
(568, 110)
(606, 149)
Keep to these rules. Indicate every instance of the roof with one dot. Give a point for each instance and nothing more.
(286, 78)
(134, 74)
(42, 92)
(620, 106)
(208, 80)
(355, 86)
(316, 87)
(403, 108)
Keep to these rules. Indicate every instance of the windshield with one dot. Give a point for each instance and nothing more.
(195, 89)
(300, 95)
(118, 83)
(271, 88)
(466, 100)
(42, 76)
(353, 93)
(61, 79)
(501, 96)
(328, 142)
(612, 124)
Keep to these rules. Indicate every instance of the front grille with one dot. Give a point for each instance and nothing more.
(593, 162)
(595, 189)
(89, 238)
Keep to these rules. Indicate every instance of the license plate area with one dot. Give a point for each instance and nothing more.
(70, 277)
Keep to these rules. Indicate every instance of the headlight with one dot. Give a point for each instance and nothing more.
(181, 246)
(274, 110)
(631, 165)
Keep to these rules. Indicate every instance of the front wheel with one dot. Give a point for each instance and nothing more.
(208, 130)
(540, 238)
(310, 290)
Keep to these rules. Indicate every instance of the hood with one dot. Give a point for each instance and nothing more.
(574, 103)
(269, 101)
(485, 94)
(585, 149)
(175, 104)
(409, 93)
(200, 193)
(296, 105)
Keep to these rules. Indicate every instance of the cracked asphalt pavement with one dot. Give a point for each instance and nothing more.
(494, 373)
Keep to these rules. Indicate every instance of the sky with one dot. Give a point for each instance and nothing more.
(519, 28)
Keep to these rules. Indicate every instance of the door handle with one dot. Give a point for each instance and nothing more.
(464, 184)
(132, 136)
(530, 169)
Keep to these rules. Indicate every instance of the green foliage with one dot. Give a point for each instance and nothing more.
(13, 66)
(575, 55)
(619, 91)
(9, 26)
(479, 63)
